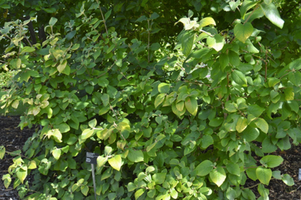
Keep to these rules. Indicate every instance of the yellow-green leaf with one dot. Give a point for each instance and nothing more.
(101, 161)
(206, 22)
(218, 176)
(216, 42)
(271, 12)
(243, 31)
(180, 106)
(262, 125)
(159, 99)
(138, 193)
(264, 175)
(115, 162)
(191, 105)
(204, 168)
(87, 133)
(56, 153)
(242, 124)
(22, 173)
(2, 152)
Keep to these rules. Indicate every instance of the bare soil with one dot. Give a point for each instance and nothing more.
(13, 139)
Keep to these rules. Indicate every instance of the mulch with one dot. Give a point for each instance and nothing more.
(13, 139)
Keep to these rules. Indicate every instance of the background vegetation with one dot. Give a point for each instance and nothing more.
(177, 98)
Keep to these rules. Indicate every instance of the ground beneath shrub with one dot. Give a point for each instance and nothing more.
(13, 139)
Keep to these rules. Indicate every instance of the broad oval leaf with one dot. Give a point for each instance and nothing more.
(204, 168)
(87, 133)
(56, 153)
(22, 173)
(262, 125)
(116, 162)
(216, 42)
(271, 161)
(163, 88)
(243, 31)
(218, 176)
(159, 99)
(206, 22)
(242, 124)
(138, 193)
(239, 78)
(271, 12)
(264, 175)
(191, 105)
(101, 161)
(135, 155)
(187, 43)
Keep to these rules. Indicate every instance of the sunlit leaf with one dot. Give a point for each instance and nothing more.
(243, 31)
(218, 176)
(116, 162)
(264, 175)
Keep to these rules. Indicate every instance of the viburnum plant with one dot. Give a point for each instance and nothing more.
(185, 123)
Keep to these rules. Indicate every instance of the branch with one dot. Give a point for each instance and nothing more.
(103, 18)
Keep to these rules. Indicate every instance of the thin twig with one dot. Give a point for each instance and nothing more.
(103, 18)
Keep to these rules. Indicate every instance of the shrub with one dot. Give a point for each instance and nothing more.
(183, 124)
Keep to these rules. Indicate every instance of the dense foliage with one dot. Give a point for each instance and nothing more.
(173, 114)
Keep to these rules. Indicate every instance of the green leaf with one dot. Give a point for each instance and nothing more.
(101, 161)
(135, 156)
(218, 176)
(206, 22)
(243, 31)
(241, 125)
(7, 180)
(191, 105)
(250, 133)
(264, 175)
(27, 49)
(163, 88)
(206, 141)
(56, 134)
(34, 110)
(272, 81)
(230, 107)
(2, 152)
(296, 64)
(239, 78)
(87, 133)
(271, 12)
(288, 180)
(246, 5)
(159, 178)
(187, 43)
(180, 106)
(64, 128)
(255, 110)
(56, 153)
(52, 21)
(22, 173)
(138, 193)
(92, 123)
(116, 162)
(61, 67)
(262, 125)
(216, 42)
(204, 168)
(159, 99)
(271, 161)
(84, 189)
(289, 94)
(105, 98)
(233, 168)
